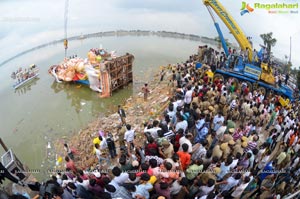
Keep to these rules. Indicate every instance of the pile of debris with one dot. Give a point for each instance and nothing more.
(137, 111)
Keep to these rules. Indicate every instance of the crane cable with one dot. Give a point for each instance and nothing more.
(66, 27)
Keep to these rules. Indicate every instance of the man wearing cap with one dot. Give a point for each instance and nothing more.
(205, 105)
(255, 110)
(225, 149)
(235, 114)
(217, 152)
(121, 132)
(227, 137)
(230, 124)
(209, 93)
(222, 101)
(225, 110)
(167, 150)
(238, 148)
(211, 110)
(231, 130)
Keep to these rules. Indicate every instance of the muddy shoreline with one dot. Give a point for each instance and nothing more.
(137, 112)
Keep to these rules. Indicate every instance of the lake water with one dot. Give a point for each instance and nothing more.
(44, 111)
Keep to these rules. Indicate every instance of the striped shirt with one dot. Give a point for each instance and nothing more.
(169, 135)
(237, 135)
(233, 104)
(251, 145)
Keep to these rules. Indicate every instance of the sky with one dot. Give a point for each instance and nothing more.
(28, 23)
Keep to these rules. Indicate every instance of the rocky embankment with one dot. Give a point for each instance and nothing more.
(137, 112)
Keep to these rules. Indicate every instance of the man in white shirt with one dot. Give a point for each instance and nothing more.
(186, 140)
(220, 132)
(199, 150)
(103, 143)
(101, 155)
(240, 189)
(235, 162)
(188, 97)
(296, 147)
(84, 183)
(204, 190)
(225, 168)
(218, 121)
(120, 178)
(129, 137)
(288, 135)
(230, 182)
(153, 130)
(181, 123)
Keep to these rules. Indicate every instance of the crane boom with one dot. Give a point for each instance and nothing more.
(231, 25)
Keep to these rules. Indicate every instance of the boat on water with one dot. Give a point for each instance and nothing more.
(24, 76)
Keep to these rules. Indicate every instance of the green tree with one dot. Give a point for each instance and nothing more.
(269, 41)
(289, 66)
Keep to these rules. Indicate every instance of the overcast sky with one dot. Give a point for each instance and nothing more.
(28, 23)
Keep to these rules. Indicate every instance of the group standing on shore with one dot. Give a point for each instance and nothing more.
(216, 140)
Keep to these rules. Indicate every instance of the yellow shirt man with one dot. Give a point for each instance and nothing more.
(96, 141)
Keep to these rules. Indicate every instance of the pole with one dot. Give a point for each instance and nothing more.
(290, 49)
(66, 26)
(3, 145)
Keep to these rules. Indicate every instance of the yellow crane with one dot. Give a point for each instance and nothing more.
(214, 5)
(228, 20)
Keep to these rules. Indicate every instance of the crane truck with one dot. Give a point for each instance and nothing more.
(257, 75)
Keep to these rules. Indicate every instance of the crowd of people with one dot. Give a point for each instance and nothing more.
(23, 74)
(216, 140)
(216, 59)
